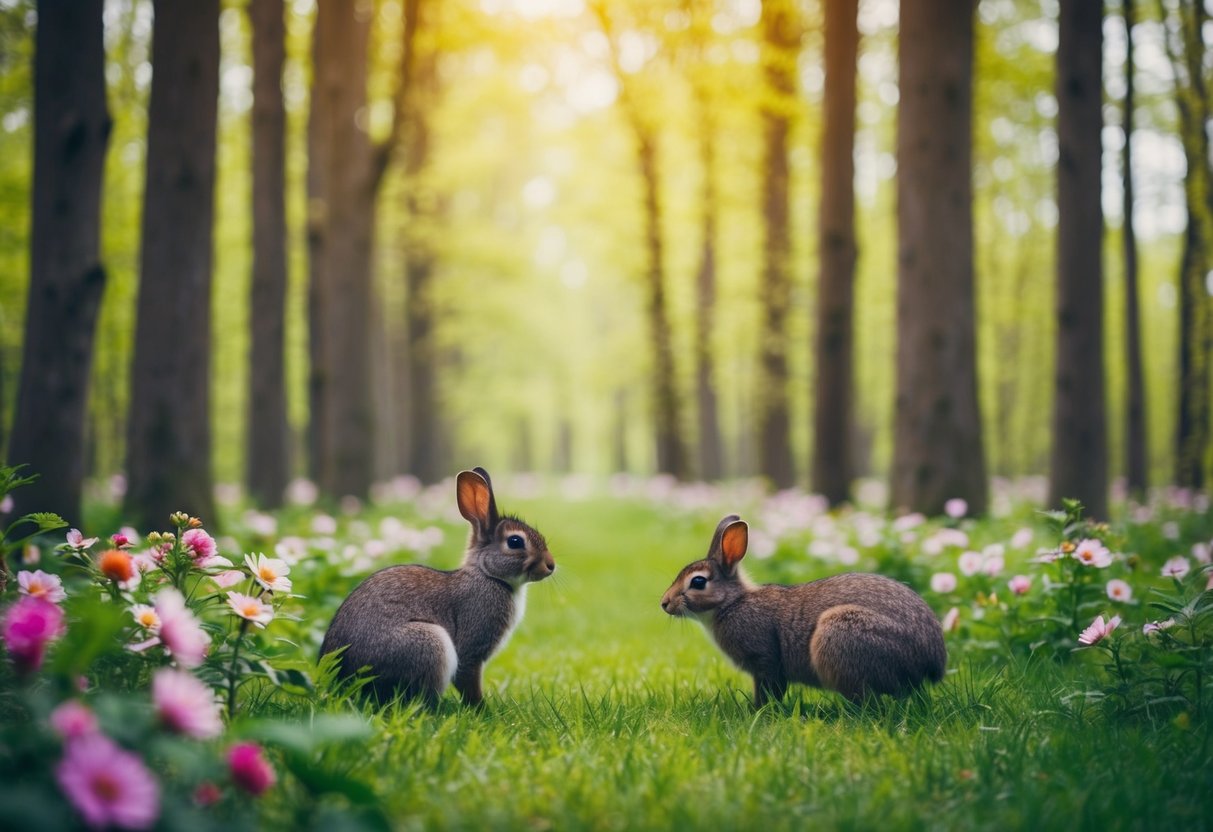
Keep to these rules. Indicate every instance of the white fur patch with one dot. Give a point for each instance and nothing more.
(515, 619)
(451, 657)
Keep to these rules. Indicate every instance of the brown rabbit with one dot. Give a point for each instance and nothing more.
(419, 629)
(856, 634)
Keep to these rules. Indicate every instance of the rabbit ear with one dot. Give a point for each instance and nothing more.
(474, 493)
(734, 539)
(714, 551)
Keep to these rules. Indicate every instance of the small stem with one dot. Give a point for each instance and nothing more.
(231, 674)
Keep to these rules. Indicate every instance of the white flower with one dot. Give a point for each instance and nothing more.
(78, 541)
(146, 617)
(250, 608)
(970, 563)
(1093, 553)
(1118, 590)
(269, 572)
(943, 582)
(40, 584)
(1176, 567)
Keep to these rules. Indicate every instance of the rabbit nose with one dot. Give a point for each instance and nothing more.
(665, 603)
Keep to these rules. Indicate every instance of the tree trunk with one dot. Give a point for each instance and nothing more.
(1079, 468)
(168, 450)
(341, 203)
(71, 132)
(832, 425)
(1135, 397)
(780, 41)
(1192, 433)
(711, 451)
(267, 455)
(425, 449)
(937, 445)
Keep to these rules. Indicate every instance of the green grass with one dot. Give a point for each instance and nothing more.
(604, 713)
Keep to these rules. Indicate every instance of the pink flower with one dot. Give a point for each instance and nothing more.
(943, 582)
(1176, 567)
(202, 548)
(1151, 627)
(180, 632)
(1098, 630)
(951, 620)
(29, 626)
(1020, 584)
(185, 705)
(229, 578)
(993, 564)
(250, 608)
(269, 572)
(249, 768)
(207, 794)
(41, 585)
(1119, 590)
(73, 720)
(108, 785)
(78, 541)
(970, 563)
(1091, 552)
(1021, 539)
(147, 561)
(120, 541)
(955, 508)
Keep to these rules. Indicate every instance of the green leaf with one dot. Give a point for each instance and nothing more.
(47, 521)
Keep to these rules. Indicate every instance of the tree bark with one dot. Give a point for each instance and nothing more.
(1079, 465)
(168, 449)
(781, 38)
(1135, 398)
(268, 450)
(671, 456)
(711, 447)
(937, 450)
(833, 428)
(425, 448)
(71, 132)
(341, 221)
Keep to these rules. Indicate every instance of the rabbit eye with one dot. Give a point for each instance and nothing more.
(699, 582)
(515, 541)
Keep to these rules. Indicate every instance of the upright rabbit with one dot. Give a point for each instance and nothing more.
(419, 629)
(856, 634)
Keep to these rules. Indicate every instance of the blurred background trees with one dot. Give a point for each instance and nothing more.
(563, 235)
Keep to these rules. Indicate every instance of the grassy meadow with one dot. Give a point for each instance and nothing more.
(604, 713)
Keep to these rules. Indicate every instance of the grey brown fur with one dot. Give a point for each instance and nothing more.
(403, 622)
(857, 634)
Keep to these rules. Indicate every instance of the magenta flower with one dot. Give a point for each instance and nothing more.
(1020, 584)
(29, 626)
(249, 768)
(180, 632)
(39, 584)
(73, 720)
(202, 548)
(1176, 567)
(121, 541)
(108, 785)
(185, 705)
(1098, 630)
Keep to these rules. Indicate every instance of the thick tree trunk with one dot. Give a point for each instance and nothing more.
(1135, 398)
(1080, 461)
(833, 429)
(71, 131)
(343, 182)
(937, 450)
(168, 450)
(267, 456)
(711, 451)
(780, 41)
(671, 456)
